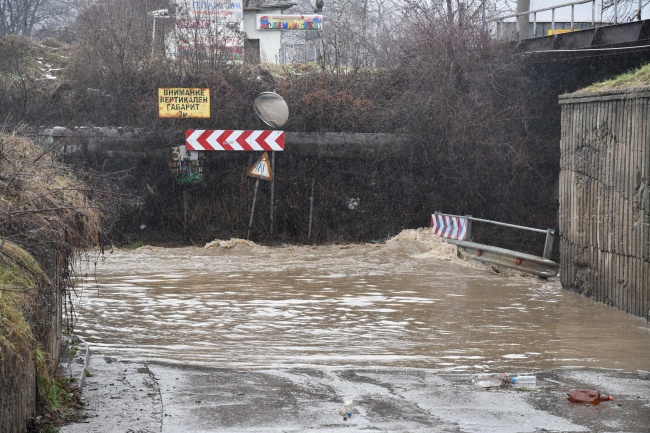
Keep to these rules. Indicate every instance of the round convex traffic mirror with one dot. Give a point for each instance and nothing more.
(272, 109)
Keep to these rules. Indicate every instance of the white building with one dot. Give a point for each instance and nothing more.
(248, 31)
(261, 45)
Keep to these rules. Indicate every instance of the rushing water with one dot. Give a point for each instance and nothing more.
(406, 303)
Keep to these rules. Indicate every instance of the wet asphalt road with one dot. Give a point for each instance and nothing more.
(126, 397)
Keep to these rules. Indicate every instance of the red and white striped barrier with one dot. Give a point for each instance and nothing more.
(247, 140)
(451, 227)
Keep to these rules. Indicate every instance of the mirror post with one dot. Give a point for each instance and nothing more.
(272, 189)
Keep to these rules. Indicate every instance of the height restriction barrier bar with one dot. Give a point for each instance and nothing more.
(457, 230)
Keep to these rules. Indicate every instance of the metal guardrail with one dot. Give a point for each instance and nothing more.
(564, 5)
(457, 229)
(550, 234)
(552, 9)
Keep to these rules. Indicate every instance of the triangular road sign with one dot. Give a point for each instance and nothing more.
(262, 168)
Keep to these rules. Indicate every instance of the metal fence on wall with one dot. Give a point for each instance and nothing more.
(605, 198)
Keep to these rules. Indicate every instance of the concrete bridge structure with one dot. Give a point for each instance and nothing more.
(567, 62)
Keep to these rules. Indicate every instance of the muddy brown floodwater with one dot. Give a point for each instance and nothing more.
(409, 302)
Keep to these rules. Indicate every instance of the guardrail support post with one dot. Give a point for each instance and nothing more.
(548, 245)
(469, 227)
(593, 14)
(553, 21)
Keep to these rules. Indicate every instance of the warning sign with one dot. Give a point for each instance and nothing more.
(262, 168)
(184, 103)
(186, 165)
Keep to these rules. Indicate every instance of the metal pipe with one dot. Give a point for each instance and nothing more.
(311, 208)
(514, 226)
(272, 188)
(615, 11)
(153, 36)
(572, 16)
(548, 245)
(250, 222)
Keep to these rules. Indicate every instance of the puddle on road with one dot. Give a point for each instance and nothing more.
(406, 303)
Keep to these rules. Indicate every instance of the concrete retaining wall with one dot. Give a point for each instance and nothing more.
(605, 198)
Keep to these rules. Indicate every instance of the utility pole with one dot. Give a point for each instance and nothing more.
(523, 21)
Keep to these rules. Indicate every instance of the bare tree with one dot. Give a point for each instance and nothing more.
(365, 33)
(24, 17)
(359, 34)
(208, 34)
(112, 53)
(19, 16)
(622, 10)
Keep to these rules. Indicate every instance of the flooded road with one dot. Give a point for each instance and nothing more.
(239, 338)
(406, 303)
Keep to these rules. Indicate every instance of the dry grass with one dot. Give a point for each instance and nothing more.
(636, 79)
(47, 211)
(44, 206)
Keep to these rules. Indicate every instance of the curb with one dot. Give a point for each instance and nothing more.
(74, 359)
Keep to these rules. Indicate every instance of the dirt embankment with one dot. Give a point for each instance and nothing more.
(47, 215)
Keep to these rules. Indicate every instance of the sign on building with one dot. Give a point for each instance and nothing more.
(210, 28)
(289, 22)
(184, 103)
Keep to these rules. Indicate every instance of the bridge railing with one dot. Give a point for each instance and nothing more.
(571, 5)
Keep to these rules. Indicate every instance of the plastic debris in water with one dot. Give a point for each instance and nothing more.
(488, 380)
(587, 396)
(523, 379)
(346, 410)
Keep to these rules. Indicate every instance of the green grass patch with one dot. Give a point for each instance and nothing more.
(18, 273)
(53, 389)
(630, 80)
